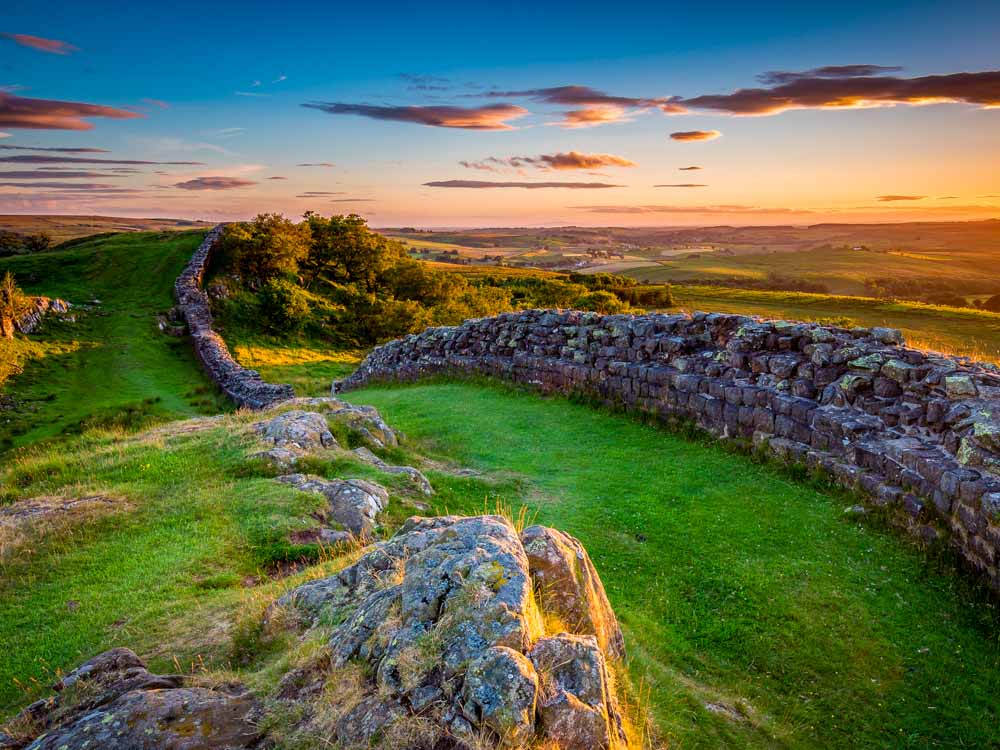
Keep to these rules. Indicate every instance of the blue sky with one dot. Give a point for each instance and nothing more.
(225, 86)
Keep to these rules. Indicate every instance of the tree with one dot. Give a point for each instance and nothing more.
(12, 304)
(36, 243)
(266, 248)
(345, 251)
(11, 243)
(601, 301)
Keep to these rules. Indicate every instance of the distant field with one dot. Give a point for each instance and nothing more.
(62, 228)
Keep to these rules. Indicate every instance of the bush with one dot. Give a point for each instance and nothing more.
(601, 301)
(283, 306)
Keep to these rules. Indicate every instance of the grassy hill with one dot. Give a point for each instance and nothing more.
(112, 365)
(62, 228)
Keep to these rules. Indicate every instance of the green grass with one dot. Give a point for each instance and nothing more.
(975, 333)
(112, 364)
(734, 583)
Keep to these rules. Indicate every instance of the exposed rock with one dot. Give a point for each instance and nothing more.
(444, 618)
(365, 420)
(569, 587)
(38, 308)
(354, 503)
(113, 702)
(415, 475)
(577, 705)
(297, 430)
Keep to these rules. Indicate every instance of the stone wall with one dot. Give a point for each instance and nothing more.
(244, 386)
(916, 433)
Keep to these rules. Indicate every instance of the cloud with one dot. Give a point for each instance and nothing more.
(249, 93)
(50, 114)
(660, 209)
(50, 174)
(60, 185)
(823, 92)
(59, 150)
(688, 169)
(226, 132)
(279, 79)
(42, 159)
(318, 193)
(425, 83)
(695, 135)
(155, 103)
(277, 177)
(214, 183)
(889, 198)
(40, 43)
(326, 164)
(592, 117)
(528, 185)
(558, 161)
(487, 117)
(682, 185)
(4, 135)
(947, 197)
(592, 107)
(777, 77)
(353, 200)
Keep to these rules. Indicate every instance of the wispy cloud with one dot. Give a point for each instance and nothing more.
(810, 90)
(61, 150)
(225, 132)
(50, 174)
(527, 185)
(318, 193)
(155, 103)
(778, 77)
(50, 114)
(45, 159)
(591, 107)
(279, 79)
(558, 161)
(40, 43)
(325, 164)
(214, 183)
(250, 93)
(695, 135)
(354, 200)
(682, 185)
(487, 117)
(425, 83)
(707, 210)
(277, 177)
(890, 198)
(688, 169)
(60, 185)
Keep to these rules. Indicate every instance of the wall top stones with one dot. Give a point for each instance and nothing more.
(244, 386)
(917, 432)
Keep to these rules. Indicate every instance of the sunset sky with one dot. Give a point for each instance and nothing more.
(474, 114)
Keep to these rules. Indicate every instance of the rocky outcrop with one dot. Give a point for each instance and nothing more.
(38, 308)
(445, 618)
(354, 504)
(113, 702)
(244, 386)
(916, 432)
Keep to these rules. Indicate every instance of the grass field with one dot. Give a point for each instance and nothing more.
(737, 586)
(112, 364)
(62, 228)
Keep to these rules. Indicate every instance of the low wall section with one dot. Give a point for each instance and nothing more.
(244, 386)
(916, 433)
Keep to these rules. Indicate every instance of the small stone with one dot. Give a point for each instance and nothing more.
(959, 386)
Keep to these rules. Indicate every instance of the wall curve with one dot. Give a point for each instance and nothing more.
(244, 386)
(916, 433)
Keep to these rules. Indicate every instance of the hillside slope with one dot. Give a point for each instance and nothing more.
(112, 364)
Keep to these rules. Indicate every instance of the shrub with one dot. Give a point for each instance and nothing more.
(601, 301)
(283, 305)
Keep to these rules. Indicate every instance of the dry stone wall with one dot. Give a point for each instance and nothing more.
(244, 386)
(915, 432)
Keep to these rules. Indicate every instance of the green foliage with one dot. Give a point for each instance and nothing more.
(266, 248)
(601, 301)
(36, 243)
(283, 305)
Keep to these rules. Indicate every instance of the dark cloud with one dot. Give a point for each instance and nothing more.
(277, 177)
(425, 83)
(325, 164)
(682, 185)
(40, 43)
(819, 92)
(59, 185)
(50, 114)
(890, 198)
(688, 169)
(528, 185)
(559, 161)
(317, 193)
(50, 174)
(42, 159)
(695, 135)
(58, 150)
(777, 77)
(353, 200)
(592, 107)
(487, 117)
(659, 209)
(214, 183)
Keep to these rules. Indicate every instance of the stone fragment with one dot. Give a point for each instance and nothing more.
(959, 386)
(297, 429)
(500, 691)
(355, 504)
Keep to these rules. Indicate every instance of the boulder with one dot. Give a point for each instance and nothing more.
(355, 504)
(568, 586)
(577, 705)
(297, 430)
(443, 618)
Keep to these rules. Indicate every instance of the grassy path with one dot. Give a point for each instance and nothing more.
(736, 586)
(112, 365)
